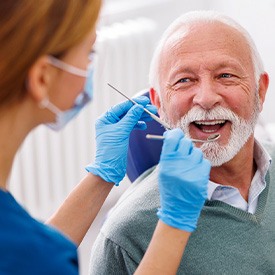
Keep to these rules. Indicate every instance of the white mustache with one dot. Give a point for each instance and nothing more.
(219, 154)
(217, 113)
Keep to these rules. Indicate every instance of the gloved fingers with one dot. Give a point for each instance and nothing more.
(171, 141)
(185, 147)
(115, 113)
(131, 118)
(120, 109)
(152, 109)
(109, 118)
(145, 102)
(196, 155)
(142, 100)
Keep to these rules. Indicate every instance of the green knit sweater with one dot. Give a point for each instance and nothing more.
(227, 240)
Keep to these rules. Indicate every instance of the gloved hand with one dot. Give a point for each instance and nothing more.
(112, 138)
(183, 180)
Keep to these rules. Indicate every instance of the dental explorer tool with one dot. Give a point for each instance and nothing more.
(153, 116)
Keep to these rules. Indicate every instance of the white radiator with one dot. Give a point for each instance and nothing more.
(50, 164)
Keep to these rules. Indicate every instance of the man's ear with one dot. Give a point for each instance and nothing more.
(154, 96)
(39, 79)
(263, 86)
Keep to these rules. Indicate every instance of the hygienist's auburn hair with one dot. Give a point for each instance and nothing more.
(30, 29)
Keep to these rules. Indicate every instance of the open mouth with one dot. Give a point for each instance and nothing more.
(211, 126)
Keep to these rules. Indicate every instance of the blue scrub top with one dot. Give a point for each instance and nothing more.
(30, 247)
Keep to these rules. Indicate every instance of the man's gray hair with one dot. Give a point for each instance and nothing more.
(192, 18)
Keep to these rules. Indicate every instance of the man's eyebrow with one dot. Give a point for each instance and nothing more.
(181, 69)
(230, 64)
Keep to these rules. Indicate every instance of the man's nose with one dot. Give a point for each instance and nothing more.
(207, 95)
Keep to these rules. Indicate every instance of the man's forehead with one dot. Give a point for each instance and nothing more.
(211, 39)
(201, 34)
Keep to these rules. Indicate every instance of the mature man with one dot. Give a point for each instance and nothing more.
(206, 77)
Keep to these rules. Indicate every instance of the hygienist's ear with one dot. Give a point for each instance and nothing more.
(154, 96)
(263, 86)
(39, 79)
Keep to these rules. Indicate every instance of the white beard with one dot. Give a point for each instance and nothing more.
(241, 130)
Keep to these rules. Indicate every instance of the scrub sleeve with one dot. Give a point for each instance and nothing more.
(28, 246)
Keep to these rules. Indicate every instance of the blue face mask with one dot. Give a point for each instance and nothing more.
(63, 117)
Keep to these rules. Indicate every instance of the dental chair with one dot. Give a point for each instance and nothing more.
(143, 153)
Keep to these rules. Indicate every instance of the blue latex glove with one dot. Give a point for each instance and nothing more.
(112, 138)
(183, 181)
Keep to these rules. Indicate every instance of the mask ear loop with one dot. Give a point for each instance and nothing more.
(46, 104)
(67, 67)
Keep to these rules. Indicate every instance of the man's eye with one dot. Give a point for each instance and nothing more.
(225, 75)
(184, 80)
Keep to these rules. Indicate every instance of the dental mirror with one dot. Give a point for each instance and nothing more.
(210, 138)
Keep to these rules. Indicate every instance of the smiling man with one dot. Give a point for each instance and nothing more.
(207, 78)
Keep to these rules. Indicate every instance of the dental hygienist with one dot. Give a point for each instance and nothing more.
(46, 79)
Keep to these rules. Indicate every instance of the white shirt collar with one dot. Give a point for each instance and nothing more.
(262, 159)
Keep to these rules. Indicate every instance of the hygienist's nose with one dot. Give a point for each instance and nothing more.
(207, 96)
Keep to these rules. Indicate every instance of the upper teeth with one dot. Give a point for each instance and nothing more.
(210, 122)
